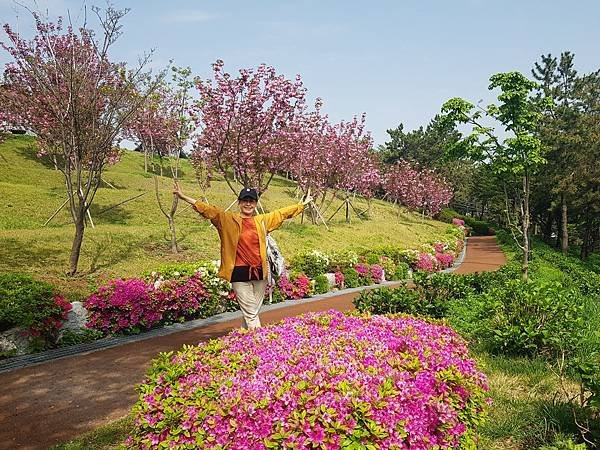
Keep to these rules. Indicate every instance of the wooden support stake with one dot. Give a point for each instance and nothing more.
(56, 212)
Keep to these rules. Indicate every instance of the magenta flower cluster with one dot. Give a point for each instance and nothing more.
(134, 304)
(339, 279)
(426, 262)
(53, 320)
(321, 380)
(458, 222)
(294, 287)
(376, 272)
(444, 260)
(182, 298)
(362, 269)
(122, 304)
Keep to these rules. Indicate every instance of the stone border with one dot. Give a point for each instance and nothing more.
(19, 362)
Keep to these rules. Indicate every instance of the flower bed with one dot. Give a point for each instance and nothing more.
(189, 291)
(135, 304)
(322, 380)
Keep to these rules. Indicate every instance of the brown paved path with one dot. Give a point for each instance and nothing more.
(483, 255)
(56, 401)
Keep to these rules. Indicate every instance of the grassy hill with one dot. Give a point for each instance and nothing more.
(130, 238)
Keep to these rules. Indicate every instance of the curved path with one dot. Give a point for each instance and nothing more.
(56, 401)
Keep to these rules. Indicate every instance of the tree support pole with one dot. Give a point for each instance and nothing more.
(56, 212)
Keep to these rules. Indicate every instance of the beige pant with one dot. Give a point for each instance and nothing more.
(250, 296)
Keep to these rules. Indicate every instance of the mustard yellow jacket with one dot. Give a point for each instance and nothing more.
(229, 226)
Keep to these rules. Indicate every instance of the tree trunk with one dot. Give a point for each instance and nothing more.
(525, 228)
(547, 227)
(586, 239)
(347, 210)
(564, 241)
(174, 247)
(77, 241)
(558, 219)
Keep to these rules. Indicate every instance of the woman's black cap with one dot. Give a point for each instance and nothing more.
(248, 193)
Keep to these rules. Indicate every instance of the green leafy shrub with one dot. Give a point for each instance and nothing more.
(312, 263)
(372, 258)
(389, 267)
(564, 445)
(478, 227)
(389, 301)
(321, 284)
(351, 278)
(586, 368)
(32, 305)
(340, 261)
(401, 271)
(522, 318)
(71, 337)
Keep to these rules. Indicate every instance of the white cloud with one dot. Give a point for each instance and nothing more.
(189, 16)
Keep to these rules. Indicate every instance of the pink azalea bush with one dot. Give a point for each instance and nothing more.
(458, 222)
(339, 279)
(49, 325)
(426, 262)
(362, 269)
(294, 287)
(376, 272)
(321, 380)
(122, 305)
(185, 298)
(135, 304)
(444, 260)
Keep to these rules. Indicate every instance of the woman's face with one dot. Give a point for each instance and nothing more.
(247, 207)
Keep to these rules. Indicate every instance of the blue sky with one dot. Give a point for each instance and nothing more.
(398, 61)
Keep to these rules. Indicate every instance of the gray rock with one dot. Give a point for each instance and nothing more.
(330, 279)
(14, 342)
(77, 318)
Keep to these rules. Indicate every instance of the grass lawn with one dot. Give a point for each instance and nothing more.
(131, 239)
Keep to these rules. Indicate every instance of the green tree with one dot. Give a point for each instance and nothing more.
(516, 156)
(559, 133)
(569, 129)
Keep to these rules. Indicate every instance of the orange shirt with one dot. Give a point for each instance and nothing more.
(248, 247)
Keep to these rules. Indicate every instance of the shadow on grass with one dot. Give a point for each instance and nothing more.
(117, 215)
(28, 150)
(284, 182)
(19, 255)
(104, 251)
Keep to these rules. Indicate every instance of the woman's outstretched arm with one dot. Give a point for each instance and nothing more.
(210, 212)
(274, 219)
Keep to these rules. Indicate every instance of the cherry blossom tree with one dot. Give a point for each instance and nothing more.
(155, 125)
(437, 192)
(334, 157)
(417, 189)
(248, 124)
(163, 127)
(63, 86)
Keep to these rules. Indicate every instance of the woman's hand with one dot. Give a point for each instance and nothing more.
(177, 191)
(307, 198)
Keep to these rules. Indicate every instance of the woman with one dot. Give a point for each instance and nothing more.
(243, 246)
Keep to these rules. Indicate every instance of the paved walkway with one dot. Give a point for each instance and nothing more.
(53, 402)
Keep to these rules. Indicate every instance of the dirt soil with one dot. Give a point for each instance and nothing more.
(53, 402)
